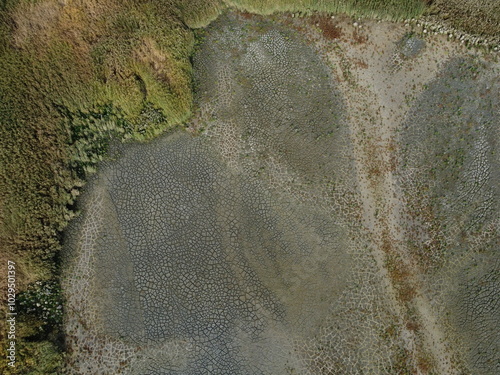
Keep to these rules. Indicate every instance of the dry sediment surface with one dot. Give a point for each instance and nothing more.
(332, 209)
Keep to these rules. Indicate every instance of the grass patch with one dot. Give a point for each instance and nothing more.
(474, 16)
(387, 9)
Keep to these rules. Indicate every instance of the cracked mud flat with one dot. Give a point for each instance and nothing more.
(335, 211)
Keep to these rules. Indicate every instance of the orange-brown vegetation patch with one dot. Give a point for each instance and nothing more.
(330, 30)
(399, 273)
(412, 325)
(329, 27)
(360, 64)
(401, 277)
(247, 15)
(424, 364)
(358, 37)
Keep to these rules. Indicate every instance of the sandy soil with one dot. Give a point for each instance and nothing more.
(378, 96)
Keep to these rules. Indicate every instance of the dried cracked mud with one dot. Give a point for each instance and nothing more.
(331, 209)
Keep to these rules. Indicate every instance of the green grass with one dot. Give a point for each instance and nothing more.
(474, 16)
(387, 9)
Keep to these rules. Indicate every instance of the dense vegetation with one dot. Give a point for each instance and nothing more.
(74, 75)
(473, 16)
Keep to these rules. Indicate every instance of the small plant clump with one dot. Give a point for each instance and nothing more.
(43, 301)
